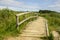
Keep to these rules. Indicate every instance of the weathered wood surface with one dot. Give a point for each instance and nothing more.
(22, 13)
(46, 27)
(33, 30)
(26, 20)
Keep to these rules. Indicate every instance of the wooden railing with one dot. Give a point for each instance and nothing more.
(29, 16)
(46, 29)
(26, 16)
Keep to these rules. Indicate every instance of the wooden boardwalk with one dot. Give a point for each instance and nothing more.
(34, 30)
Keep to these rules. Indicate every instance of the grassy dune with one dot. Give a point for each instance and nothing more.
(8, 23)
(53, 19)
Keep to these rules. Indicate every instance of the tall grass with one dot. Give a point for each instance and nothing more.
(53, 22)
(8, 23)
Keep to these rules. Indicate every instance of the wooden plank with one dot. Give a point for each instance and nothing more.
(17, 17)
(26, 19)
(17, 21)
(47, 31)
(22, 13)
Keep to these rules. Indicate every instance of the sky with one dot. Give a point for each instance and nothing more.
(31, 5)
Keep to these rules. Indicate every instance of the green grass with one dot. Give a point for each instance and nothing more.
(53, 21)
(8, 23)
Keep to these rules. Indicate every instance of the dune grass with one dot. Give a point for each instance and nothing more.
(8, 23)
(53, 21)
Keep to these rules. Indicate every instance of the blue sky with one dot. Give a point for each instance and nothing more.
(31, 5)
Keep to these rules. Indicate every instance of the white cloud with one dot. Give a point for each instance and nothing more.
(14, 4)
(56, 4)
(17, 4)
(30, 6)
(1, 7)
(10, 2)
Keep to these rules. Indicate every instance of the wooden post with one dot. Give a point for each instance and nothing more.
(55, 35)
(46, 27)
(17, 21)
